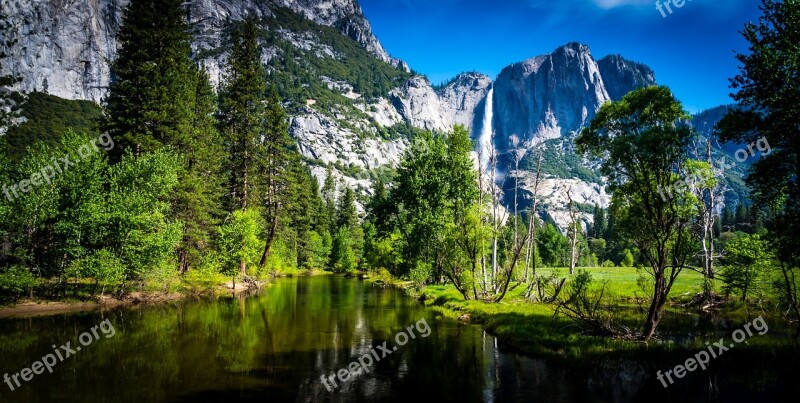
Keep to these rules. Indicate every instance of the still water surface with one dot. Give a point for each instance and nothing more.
(275, 346)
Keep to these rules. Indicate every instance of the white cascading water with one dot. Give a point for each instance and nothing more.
(485, 140)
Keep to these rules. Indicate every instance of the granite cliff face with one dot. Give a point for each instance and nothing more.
(64, 46)
(463, 98)
(554, 95)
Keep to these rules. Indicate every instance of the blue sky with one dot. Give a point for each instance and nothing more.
(691, 50)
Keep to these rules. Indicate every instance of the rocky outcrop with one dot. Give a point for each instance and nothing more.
(418, 104)
(461, 98)
(555, 95)
(64, 46)
(620, 75)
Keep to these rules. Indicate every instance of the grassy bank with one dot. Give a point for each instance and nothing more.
(534, 329)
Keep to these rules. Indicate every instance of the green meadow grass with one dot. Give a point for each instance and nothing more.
(532, 328)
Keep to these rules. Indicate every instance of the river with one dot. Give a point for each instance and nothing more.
(277, 345)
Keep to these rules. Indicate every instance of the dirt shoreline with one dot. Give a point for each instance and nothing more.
(33, 308)
(28, 308)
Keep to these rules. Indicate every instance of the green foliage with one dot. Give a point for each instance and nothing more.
(239, 240)
(16, 280)
(205, 277)
(552, 246)
(281, 260)
(627, 258)
(298, 74)
(103, 266)
(746, 265)
(431, 190)
(317, 250)
(141, 232)
(343, 259)
(48, 118)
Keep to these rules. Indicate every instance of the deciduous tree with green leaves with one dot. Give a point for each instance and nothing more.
(642, 141)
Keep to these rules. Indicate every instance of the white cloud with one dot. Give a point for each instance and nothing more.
(608, 4)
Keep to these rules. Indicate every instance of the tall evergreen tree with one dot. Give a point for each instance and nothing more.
(599, 225)
(346, 215)
(149, 104)
(197, 196)
(242, 112)
(329, 198)
(278, 153)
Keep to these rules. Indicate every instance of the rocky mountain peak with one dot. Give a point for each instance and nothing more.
(555, 95)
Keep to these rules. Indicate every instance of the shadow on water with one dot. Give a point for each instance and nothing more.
(276, 345)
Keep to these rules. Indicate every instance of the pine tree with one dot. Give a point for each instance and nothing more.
(278, 154)
(346, 215)
(150, 99)
(197, 196)
(242, 112)
(329, 198)
(599, 226)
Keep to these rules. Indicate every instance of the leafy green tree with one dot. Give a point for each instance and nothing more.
(103, 266)
(746, 264)
(316, 251)
(139, 229)
(343, 259)
(627, 258)
(239, 240)
(642, 141)
(551, 245)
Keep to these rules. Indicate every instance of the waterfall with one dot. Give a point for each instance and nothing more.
(485, 139)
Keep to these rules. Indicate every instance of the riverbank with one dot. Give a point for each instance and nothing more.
(45, 307)
(33, 307)
(533, 328)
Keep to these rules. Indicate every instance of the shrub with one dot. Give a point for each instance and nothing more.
(104, 266)
(16, 280)
(206, 277)
(627, 258)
